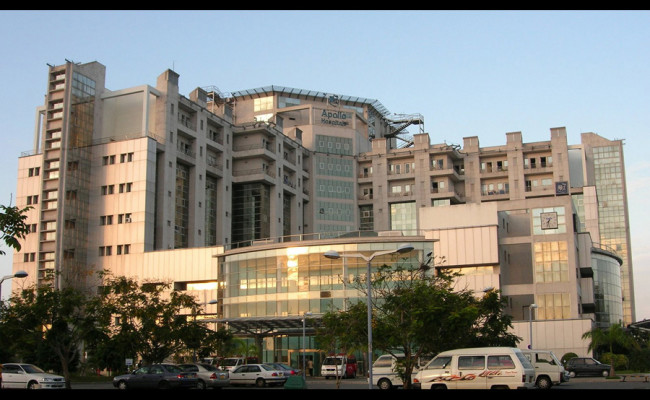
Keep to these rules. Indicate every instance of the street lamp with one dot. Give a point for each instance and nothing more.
(19, 274)
(334, 255)
(530, 321)
(304, 348)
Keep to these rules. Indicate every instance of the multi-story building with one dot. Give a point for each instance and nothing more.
(237, 197)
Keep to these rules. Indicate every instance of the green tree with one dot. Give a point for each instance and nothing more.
(48, 327)
(416, 314)
(12, 226)
(139, 319)
(609, 339)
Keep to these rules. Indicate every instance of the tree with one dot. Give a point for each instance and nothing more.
(12, 226)
(416, 313)
(137, 320)
(48, 327)
(609, 338)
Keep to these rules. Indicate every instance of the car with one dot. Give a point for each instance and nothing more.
(209, 376)
(160, 376)
(259, 375)
(288, 370)
(29, 376)
(586, 366)
(477, 368)
(548, 369)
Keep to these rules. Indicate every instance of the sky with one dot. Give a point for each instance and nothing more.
(468, 73)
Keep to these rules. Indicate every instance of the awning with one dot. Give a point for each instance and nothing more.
(271, 326)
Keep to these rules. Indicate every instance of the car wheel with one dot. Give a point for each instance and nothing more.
(32, 385)
(200, 384)
(260, 382)
(122, 385)
(384, 384)
(605, 374)
(543, 382)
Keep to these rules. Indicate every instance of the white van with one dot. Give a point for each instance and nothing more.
(548, 369)
(384, 371)
(477, 368)
(231, 363)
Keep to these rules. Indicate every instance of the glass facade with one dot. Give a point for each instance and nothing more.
(609, 175)
(607, 290)
(403, 217)
(251, 211)
(292, 281)
(181, 217)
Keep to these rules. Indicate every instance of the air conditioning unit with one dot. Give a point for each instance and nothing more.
(127, 219)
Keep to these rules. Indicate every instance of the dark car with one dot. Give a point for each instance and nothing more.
(157, 376)
(586, 366)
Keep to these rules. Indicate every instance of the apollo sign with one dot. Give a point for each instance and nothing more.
(336, 118)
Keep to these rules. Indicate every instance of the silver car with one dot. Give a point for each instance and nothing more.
(209, 375)
(28, 376)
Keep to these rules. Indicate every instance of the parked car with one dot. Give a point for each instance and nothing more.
(477, 368)
(586, 366)
(548, 369)
(287, 369)
(29, 376)
(385, 371)
(160, 376)
(259, 375)
(209, 376)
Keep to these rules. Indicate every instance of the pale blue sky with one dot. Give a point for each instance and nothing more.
(469, 73)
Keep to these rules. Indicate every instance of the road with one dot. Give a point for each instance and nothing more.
(319, 383)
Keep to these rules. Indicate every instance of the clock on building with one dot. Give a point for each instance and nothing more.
(549, 220)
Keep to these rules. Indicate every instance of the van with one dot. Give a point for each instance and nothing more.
(384, 370)
(477, 368)
(548, 369)
(230, 363)
(341, 365)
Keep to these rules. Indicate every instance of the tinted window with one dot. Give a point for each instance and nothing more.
(500, 362)
(471, 362)
(383, 361)
(189, 368)
(10, 369)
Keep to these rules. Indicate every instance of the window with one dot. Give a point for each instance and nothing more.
(471, 362)
(263, 104)
(500, 362)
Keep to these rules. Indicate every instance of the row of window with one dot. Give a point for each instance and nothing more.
(121, 219)
(124, 157)
(105, 251)
(122, 188)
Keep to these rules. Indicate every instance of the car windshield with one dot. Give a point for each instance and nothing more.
(32, 369)
(333, 361)
(229, 362)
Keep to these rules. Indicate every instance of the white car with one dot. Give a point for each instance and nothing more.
(259, 375)
(28, 376)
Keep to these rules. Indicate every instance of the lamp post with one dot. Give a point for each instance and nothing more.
(19, 274)
(334, 255)
(304, 316)
(530, 322)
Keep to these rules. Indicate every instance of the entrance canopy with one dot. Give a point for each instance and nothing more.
(271, 326)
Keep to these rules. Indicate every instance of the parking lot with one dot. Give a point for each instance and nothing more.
(320, 383)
